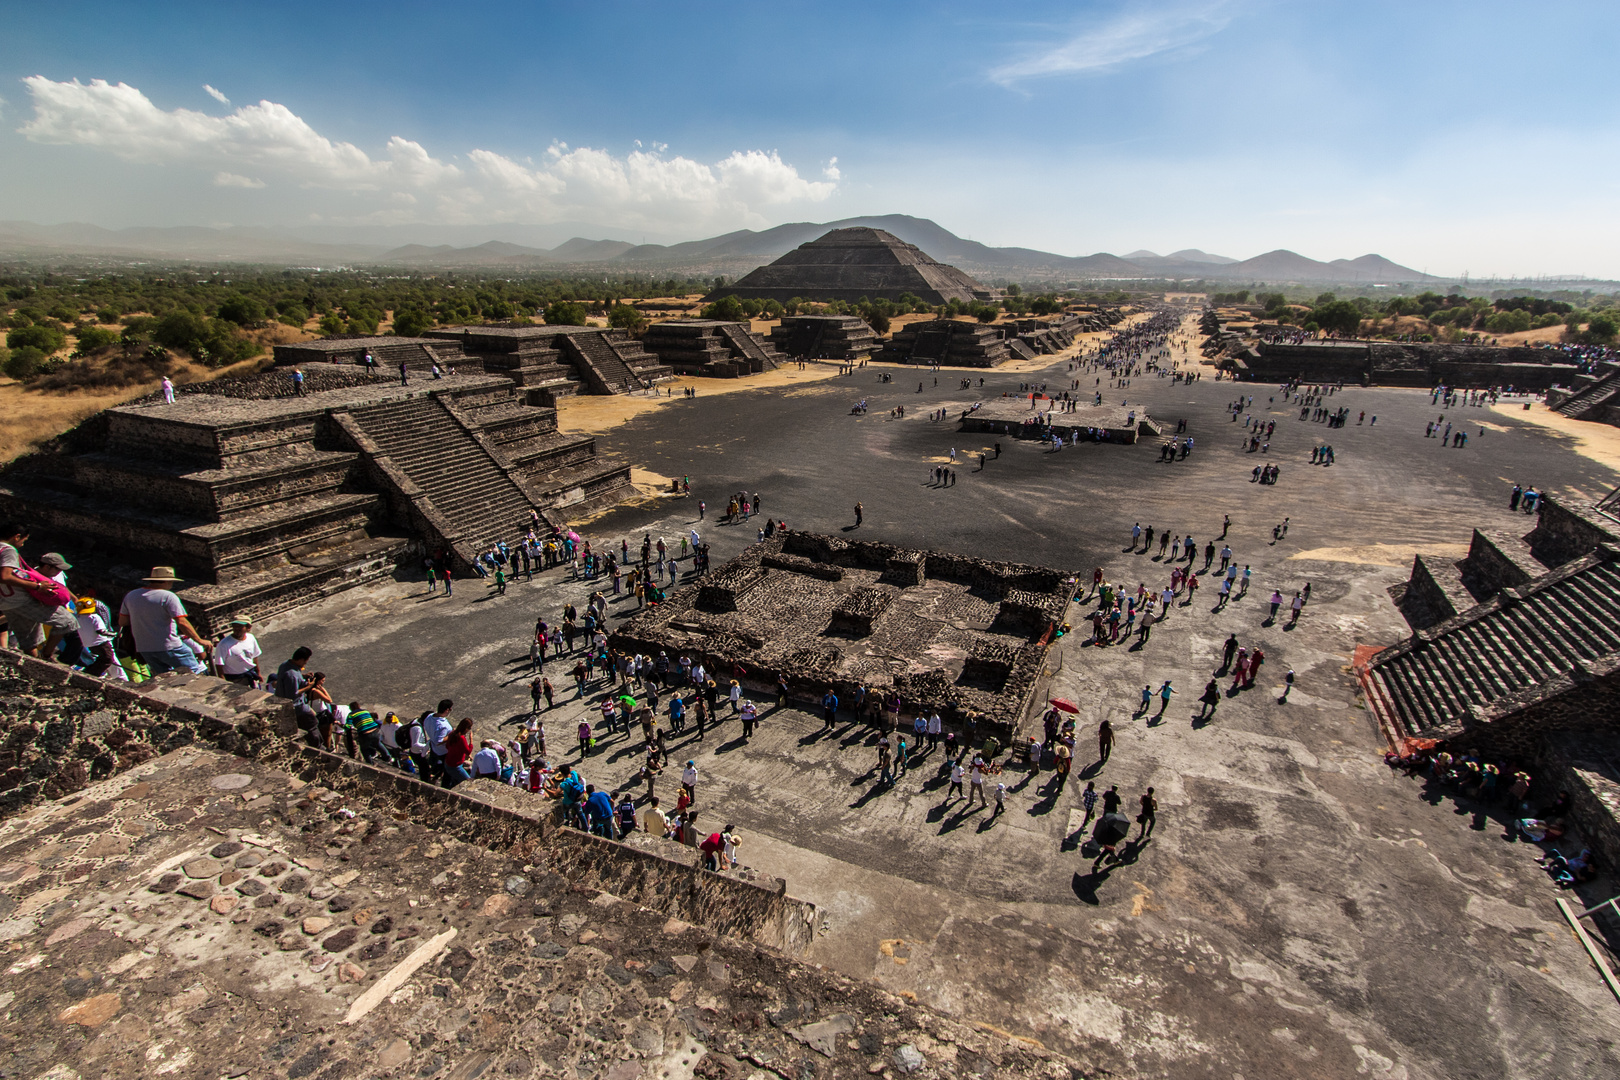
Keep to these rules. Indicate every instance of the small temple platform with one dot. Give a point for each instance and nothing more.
(1023, 419)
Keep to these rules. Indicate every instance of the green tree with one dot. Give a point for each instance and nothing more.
(242, 310)
(985, 313)
(1340, 316)
(412, 322)
(331, 323)
(625, 317)
(726, 309)
(93, 337)
(1602, 328)
(565, 313)
(1511, 321)
(878, 321)
(23, 363)
(47, 339)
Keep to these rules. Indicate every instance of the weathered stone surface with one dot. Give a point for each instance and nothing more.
(202, 868)
(316, 924)
(92, 1012)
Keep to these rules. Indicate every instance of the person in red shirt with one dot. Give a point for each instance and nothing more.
(711, 847)
(458, 750)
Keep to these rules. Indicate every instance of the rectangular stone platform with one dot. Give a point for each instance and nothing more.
(1015, 417)
(946, 632)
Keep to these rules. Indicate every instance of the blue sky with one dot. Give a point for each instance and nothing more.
(1452, 137)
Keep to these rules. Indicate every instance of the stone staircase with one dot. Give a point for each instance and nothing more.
(748, 345)
(1591, 400)
(602, 366)
(1482, 662)
(931, 344)
(456, 471)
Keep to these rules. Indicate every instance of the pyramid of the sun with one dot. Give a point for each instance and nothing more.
(848, 264)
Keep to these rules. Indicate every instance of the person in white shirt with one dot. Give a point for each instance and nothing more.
(97, 637)
(689, 778)
(487, 761)
(53, 566)
(388, 737)
(237, 653)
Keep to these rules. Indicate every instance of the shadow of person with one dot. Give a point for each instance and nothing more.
(871, 793)
(1085, 885)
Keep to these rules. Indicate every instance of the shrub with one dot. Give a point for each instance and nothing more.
(726, 309)
(23, 363)
(412, 322)
(1602, 328)
(1511, 321)
(878, 321)
(626, 317)
(1337, 315)
(242, 310)
(47, 339)
(214, 342)
(93, 338)
(985, 313)
(565, 313)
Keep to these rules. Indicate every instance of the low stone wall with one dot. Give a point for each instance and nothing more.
(60, 730)
(673, 883)
(1582, 765)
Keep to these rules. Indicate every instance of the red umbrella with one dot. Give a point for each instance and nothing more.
(1065, 705)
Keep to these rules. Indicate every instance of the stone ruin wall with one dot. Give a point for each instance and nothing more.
(1409, 364)
(1032, 601)
(1586, 767)
(62, 730)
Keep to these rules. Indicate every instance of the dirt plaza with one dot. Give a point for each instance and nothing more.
(1298, 909)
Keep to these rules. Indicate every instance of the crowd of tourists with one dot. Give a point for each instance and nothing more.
(1504, 784)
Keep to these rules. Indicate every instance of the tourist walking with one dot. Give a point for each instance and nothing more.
(1149, 815)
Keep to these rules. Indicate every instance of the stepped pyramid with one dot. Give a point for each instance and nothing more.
(848, 264)
(1517, 641)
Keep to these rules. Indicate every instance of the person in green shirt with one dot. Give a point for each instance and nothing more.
(364, 726)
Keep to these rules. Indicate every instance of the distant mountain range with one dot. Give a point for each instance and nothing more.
(733, 253)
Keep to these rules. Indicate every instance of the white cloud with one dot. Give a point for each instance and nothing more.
(216, 95)
(645, 187)
(1132, 34)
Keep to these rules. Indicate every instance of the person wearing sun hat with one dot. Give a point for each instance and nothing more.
(237, 653)
(158, 620)
(97, 637)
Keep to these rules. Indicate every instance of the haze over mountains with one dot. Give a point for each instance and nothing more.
(525, 247)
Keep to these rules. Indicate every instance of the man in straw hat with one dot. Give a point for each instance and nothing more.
(158, 620)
